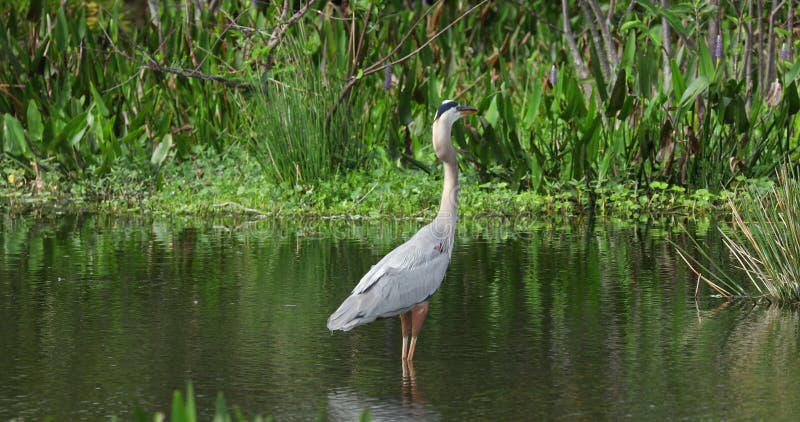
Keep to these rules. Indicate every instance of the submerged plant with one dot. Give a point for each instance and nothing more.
(764, 241)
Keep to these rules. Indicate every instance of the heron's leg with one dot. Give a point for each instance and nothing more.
(418, 315)
(405, 324)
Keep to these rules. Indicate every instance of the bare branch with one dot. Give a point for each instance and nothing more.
(747, 65)
(280, 30)
(377, 68)
(771, 53)
(790, 30)
(573, 48)
(360, 46)
(611, 6)
(605, 31)
(763, 83)
(605, 66)
(380, 65)
(190, 73)
(666, 40)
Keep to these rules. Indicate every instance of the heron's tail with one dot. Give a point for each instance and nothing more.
(352, 313)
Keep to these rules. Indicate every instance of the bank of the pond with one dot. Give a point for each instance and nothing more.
(234, 185)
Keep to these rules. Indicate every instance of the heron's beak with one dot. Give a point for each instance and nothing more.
(465, 110)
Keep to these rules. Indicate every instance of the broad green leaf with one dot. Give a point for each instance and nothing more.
(404, 102)
(678, 82)
(433, 88)
(178, 408)
(697, 87)
(35, 127)
(649, 61)
(221, 414)
(674, 21)
(793, 73)
(191, 411)
(534, 100)
(601, 82)
(617, 94)
(536, 172)
(627, 108)
(706, 65)
(14, 141)
(629, 52)
(589, 131)
(576, 104)
(492, 114)
(737, 110)
(791, 99)
(161, 151)
(668, 14)
(98, 99)
(634, 24)
(61, 31)
(73, 131)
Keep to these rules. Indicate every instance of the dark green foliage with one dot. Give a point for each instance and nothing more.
(312, 94)
(92, 91)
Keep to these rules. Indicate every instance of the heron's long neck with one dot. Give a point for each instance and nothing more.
(448, 207)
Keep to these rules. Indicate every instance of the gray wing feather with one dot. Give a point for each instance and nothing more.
(405, 277)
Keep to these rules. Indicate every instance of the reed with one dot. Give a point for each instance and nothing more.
(764, 242)
(293, 133)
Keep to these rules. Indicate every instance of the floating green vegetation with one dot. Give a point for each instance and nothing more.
(764, 240)
(232, 184)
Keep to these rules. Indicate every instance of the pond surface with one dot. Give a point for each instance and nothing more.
(100, 316)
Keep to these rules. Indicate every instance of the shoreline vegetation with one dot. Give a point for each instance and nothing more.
(233, 186)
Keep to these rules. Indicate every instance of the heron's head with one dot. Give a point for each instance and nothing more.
(447, 114)
(450, 111)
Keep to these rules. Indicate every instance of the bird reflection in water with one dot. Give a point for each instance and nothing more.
(410, 392)
(347, 405)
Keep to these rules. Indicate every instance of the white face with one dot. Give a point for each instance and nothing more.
(447, 112)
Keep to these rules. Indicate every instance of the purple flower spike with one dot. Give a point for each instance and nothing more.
(784, 52)
(387, 78)
(553, 75)
(718, 47)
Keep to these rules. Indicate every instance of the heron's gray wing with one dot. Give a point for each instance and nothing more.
(405, 277)
(418, 252)
(400, 288)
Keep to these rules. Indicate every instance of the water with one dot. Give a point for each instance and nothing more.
(100, 316)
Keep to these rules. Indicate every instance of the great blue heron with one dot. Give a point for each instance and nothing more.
(402, 282)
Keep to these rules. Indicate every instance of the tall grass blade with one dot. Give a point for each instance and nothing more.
(293, 133)
(764, 242)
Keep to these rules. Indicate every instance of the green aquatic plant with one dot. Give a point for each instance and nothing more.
(185, 410)
(764, 241)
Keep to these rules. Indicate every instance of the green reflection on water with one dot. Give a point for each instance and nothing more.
(99, 315)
